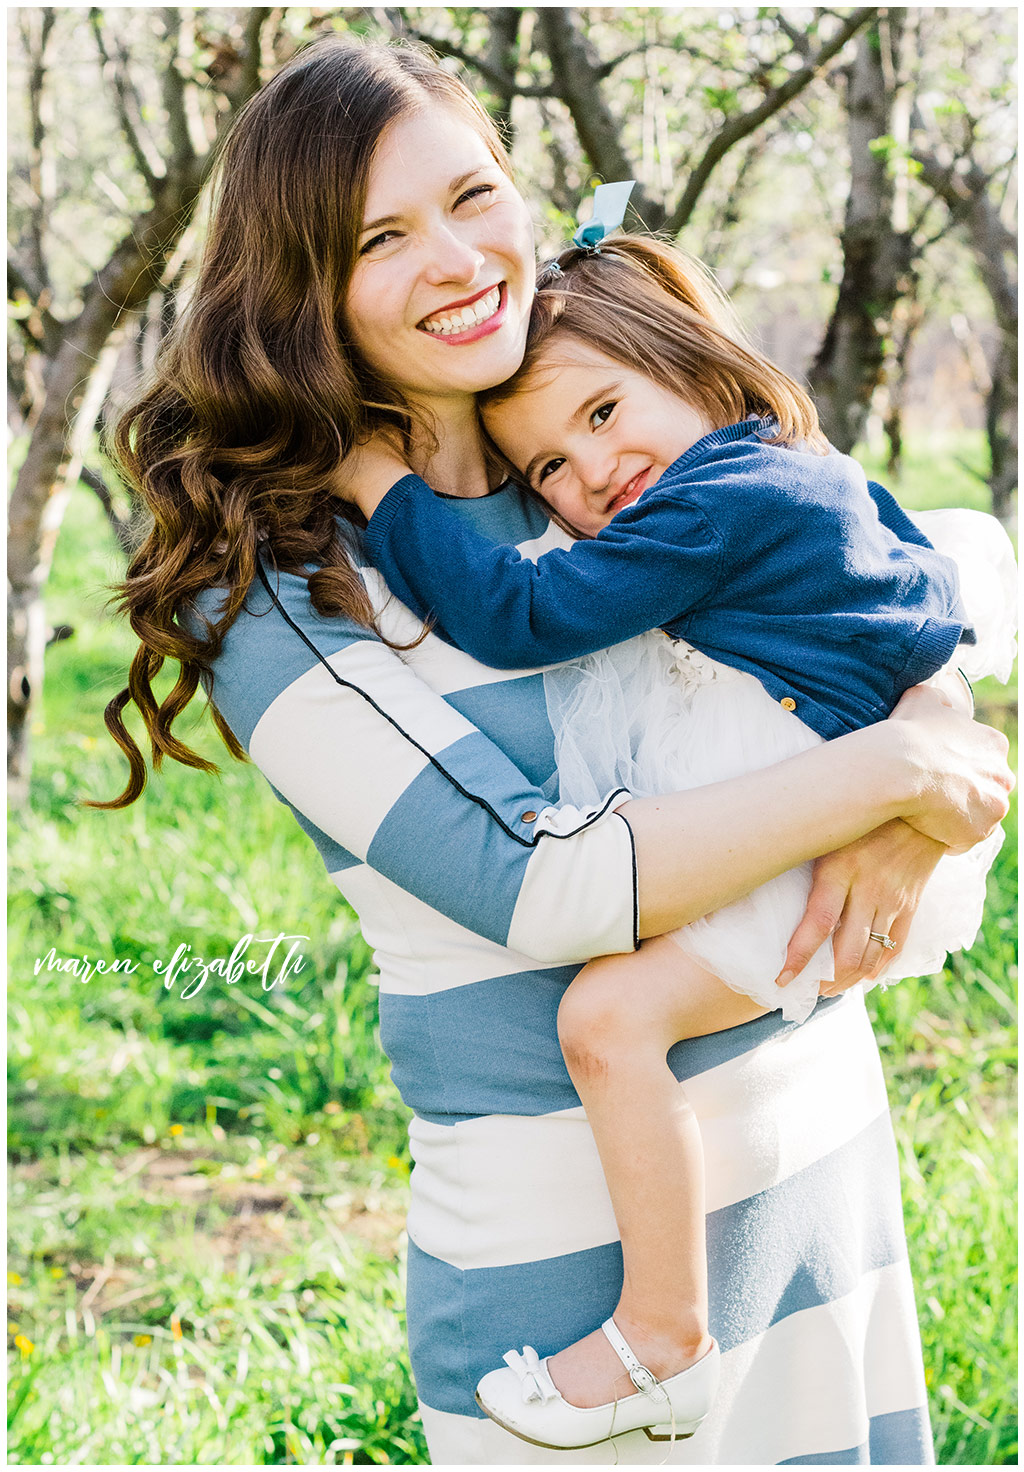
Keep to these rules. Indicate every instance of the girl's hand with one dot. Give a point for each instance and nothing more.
(369, 471)
(874, 884)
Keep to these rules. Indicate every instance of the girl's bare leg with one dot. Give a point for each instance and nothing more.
(617, 1021)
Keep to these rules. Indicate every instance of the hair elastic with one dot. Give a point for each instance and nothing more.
(610, 201)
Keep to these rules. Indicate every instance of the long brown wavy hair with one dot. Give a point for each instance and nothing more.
(258, 392)
(660, 312)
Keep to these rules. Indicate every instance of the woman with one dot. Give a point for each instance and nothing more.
(369, 263)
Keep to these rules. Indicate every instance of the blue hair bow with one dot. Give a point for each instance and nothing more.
(610, 201)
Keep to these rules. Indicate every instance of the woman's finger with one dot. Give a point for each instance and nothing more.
(850, 945)
(874, 957)
(824, 909)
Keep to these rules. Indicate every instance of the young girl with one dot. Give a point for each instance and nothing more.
(800, 602)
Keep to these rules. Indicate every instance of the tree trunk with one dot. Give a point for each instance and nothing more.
(966, 192)
(75, 385)
(503, 57)
(877, 256)
(907, 319)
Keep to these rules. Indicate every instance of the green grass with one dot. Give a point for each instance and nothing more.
(207, 1193)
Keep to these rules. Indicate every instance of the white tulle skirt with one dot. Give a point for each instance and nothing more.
(655, 715)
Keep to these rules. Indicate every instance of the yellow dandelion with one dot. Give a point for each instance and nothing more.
(56, 1272)
(176, 1327)
(12, 1327)
(24, 1343)
(14, 1278)
(394, 1163)
(177, 1129)
(141, 1340)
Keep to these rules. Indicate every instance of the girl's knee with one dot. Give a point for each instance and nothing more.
(596, 1015)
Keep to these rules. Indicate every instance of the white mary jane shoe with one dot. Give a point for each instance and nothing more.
(525, 1400)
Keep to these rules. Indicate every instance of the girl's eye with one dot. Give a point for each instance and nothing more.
(549, 469)
(600, 415)
(377, 240)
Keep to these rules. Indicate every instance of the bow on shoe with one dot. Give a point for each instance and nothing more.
(536, 1383)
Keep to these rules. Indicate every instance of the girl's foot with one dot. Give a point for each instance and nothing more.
(590, 1373)
(525, 1400)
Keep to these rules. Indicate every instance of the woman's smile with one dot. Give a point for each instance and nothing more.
(467, 320)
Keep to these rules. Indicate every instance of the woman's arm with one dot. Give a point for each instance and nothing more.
(943, 773)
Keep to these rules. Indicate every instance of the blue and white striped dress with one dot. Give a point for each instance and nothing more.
(427, 782)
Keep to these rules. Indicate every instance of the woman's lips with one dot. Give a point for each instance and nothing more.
(472, 331)
(631, 491)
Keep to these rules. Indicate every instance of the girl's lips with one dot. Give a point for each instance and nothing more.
(480, 329)
(631, 491)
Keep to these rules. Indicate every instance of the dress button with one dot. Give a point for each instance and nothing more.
(529, 818)
(788, 703)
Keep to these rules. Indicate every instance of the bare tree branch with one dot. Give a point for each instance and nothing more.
(36, 35)
(174, 91)
(125, 529)
(496, 77)
(800, 40)
(503, 56)
(607, 67)
(127, 106)
(251, 63)
(574, 68)
(745, 123)
(41, 328)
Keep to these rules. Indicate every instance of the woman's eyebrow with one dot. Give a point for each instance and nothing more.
(455, 185)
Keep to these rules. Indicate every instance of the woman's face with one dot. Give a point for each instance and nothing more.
(439, 300)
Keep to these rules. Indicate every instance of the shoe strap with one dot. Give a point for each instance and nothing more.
(641, 1376)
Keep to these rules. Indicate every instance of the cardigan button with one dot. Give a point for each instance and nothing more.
(529, 818)
(788, 703)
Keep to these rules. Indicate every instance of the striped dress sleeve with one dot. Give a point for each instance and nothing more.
(382, 771)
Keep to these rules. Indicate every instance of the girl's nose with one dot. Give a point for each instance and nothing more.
(452, 258)
(594, 468)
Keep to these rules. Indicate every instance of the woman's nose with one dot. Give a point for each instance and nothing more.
(452, 257)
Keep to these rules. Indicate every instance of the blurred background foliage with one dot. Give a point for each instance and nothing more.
(207, 1193)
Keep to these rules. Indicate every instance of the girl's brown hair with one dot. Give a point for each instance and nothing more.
(258, 392)
(659, 312)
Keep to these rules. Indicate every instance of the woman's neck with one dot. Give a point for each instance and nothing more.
(458, 465)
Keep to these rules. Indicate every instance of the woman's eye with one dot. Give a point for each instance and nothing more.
(478, 191)
(549, 469)
(377, 240)
(600, 415)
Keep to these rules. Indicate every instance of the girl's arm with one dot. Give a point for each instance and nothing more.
(511, 613)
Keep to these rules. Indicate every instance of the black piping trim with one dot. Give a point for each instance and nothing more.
(473, 797)
(970, 690)
(636, 883)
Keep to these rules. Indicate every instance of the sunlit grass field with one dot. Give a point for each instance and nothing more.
(207, 1192)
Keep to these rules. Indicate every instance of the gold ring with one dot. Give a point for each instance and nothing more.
(883, 940)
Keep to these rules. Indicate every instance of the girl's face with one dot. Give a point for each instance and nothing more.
(589, 434)
(439, 300)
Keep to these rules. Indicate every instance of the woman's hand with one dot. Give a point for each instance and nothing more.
(369, 471)
(962, 780)
(874, 884)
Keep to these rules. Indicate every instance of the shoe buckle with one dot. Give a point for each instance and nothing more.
(648, 1384)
